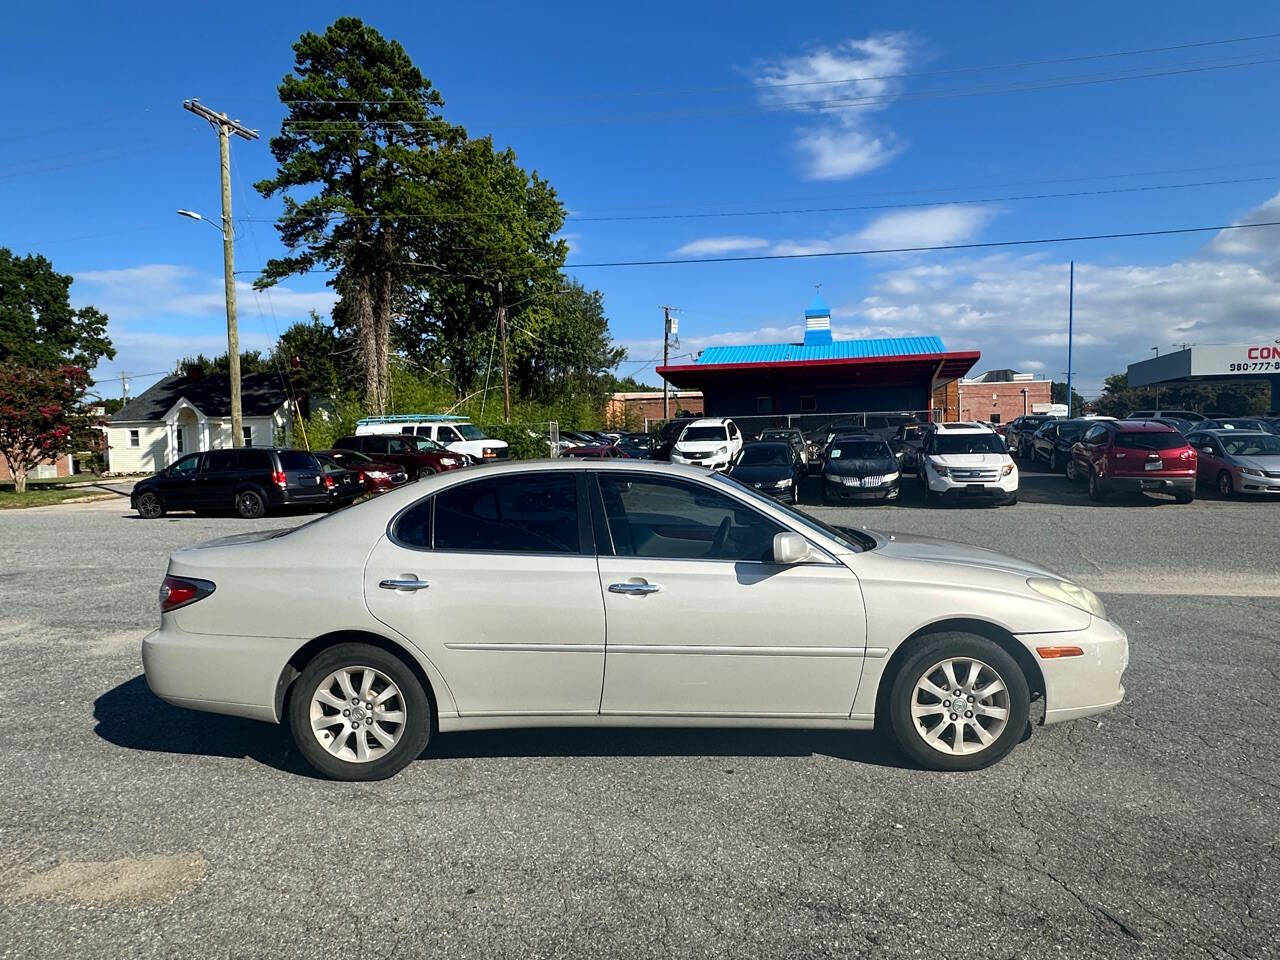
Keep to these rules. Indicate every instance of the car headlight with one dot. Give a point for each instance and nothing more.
(721, 451)
(448, 461)
(783, 483)
(890, 477)
(1250, 472)
(834, 478)
(1072, 594)
(1008, 469)
(376, 474)
(938, 468)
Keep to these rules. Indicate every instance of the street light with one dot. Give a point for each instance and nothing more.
(192, 215)
(1157, 350)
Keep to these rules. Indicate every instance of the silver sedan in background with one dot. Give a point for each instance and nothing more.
(619, 593)
(1238, 461)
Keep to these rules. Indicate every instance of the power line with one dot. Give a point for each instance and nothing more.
(927, 249)
(976, 68)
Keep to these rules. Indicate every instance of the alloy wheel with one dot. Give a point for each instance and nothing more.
(149, 506)
(358, 714)
(1071, 469)
(1225, 486)
(960, 706)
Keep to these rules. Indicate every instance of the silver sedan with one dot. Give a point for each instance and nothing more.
(1238, 461)
(566, 593)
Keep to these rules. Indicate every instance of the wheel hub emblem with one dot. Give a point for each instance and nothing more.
(357, 714)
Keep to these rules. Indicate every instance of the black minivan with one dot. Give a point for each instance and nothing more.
(248, 480)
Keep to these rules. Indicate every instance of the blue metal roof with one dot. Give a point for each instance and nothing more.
(837, 350)
(817, 308)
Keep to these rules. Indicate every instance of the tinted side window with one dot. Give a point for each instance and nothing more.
(297, 460)
(522, 513)
(1094, 435)
(413, 529)
(220, 461)
(677, 520)
(186, 466)
(256, 460)
(373, 444)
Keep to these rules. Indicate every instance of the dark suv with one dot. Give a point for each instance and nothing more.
(248, 480)
(418, 455)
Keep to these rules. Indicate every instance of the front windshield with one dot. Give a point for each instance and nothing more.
(470, 432)
(424, 444)
(860, 450)
(956, 443)
(1252, 445)
(694, 434)
(773, 454)
(777, 435)
(853, 540)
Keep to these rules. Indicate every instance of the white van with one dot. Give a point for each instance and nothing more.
(455, 433)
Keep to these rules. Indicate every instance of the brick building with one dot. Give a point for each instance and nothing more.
(633, 410)
(1001, 395)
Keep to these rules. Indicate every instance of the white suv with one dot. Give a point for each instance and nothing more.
(454, 433)
(712, 443)
(963, 461)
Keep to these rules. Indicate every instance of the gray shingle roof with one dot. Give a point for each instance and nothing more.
(261, 394)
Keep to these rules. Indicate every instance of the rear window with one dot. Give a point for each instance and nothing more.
(1150, 441)
(297, 460)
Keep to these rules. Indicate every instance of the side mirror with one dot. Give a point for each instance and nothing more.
(790, 548)
(1208, 450)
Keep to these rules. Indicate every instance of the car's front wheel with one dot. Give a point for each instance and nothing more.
(150, 507)
(1073, 475)
(358, 712)
(958, 702)
(1226, 487)
(1095, 488)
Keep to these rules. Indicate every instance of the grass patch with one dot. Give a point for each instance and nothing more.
(42, 495)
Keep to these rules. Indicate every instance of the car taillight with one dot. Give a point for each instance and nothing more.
(177, 592)
(328, 481)
(279, 479)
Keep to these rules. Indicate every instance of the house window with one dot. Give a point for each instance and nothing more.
(808, 404)
(248, 436)
(182, 439)
(764, 404)
(995, 417)
(134, 440)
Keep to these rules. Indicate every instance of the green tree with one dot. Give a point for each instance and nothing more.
(318, 360)
(39, 328)
(354, 154)
(1058, 394)
(38, 415)
(563, 348)
(251, 361)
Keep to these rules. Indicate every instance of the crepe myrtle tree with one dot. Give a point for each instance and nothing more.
(39, 412)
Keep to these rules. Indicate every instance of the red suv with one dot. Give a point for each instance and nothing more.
(418, 455)
(1134, 455)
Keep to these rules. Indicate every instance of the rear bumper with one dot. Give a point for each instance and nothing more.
(217, 674)
(1082, 686)
(1153, 484)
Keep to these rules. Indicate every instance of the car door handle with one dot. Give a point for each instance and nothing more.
(634, 588)
(407, 583)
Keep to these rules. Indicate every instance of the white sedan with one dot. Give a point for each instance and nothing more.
(568, 593)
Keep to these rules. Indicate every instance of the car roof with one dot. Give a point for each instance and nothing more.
(1213, 431)
(1142, 426)
(964, 426)
(710, 422)
(772, 443)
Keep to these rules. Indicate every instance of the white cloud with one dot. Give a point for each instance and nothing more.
(717, 245)
(571, 241)
(159, 290)
(1030, 366)
(1263, 242)
(930, 226)
(839, 88)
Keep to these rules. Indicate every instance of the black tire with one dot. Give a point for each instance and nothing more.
(1073, 474)
(150, 506)
(414, 734)
(1053, 460)
(250, 505)
(426, 471)
(1095, 491)
(933, 650)
(1226, 486)
(1012, 499)
(1185, 496)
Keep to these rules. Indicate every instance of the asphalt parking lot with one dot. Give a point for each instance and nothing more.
(131, 828)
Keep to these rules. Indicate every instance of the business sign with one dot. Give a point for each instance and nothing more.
(1235, 359)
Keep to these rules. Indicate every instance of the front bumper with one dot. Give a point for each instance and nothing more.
(1263, 486)
(711, 463)
(838, 491)
(1082, 686)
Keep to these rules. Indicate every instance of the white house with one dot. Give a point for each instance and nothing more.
(185, 413)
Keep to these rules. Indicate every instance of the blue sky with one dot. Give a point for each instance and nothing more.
(679, 109)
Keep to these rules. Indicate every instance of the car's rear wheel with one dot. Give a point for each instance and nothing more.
(1225, 485)
(357, 712)
(250, 505)
(1072, 473)
(150, 507)
(958, 702)
(1053, 460)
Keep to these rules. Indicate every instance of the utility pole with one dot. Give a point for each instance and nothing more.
(225, 127)
(502, 332)
(124, 385)
(667, 330)
(1071, 316)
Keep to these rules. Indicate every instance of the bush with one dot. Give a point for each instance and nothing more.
(524, 442)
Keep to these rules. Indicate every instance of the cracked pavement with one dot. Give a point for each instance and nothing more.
(1150, 831)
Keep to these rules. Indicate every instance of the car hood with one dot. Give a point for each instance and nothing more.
(861, 467)
(761, 473)
(700, 446)
(971, 459)
(381, 465)
(907, 546)
(1263, 461)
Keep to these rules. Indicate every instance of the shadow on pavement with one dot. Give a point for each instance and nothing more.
(131, 716)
